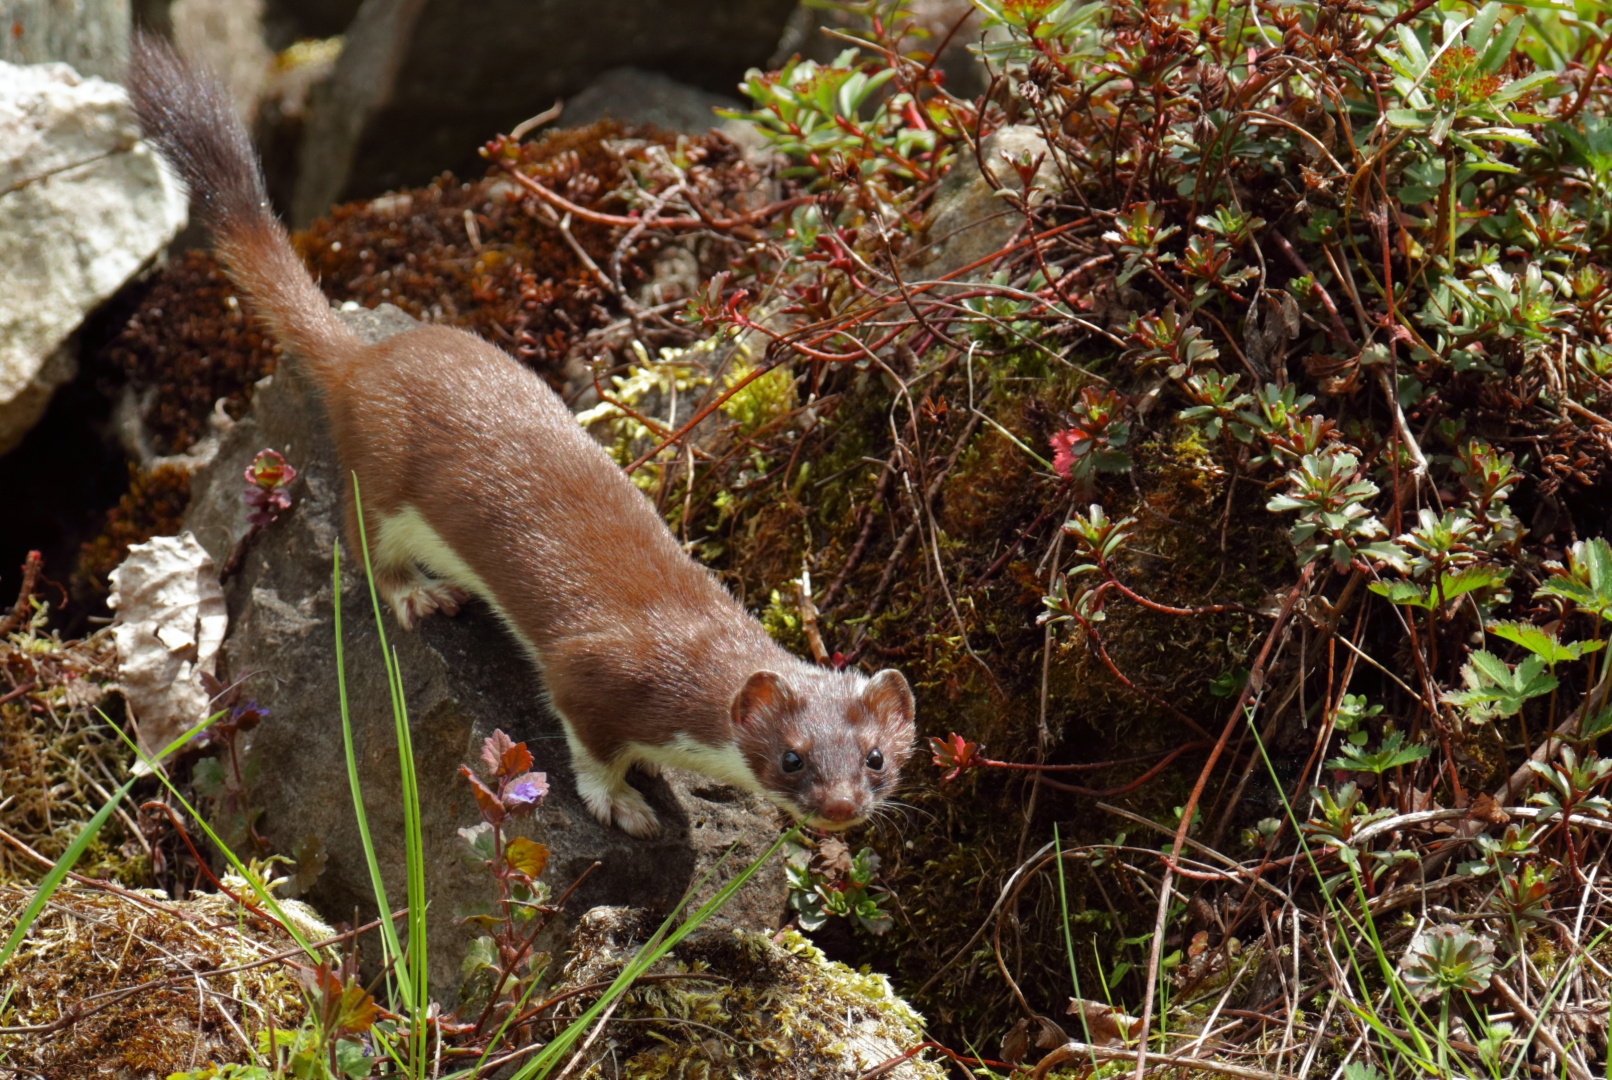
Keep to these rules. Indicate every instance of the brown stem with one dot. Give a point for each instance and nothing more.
(18, 615)
(1256, 678)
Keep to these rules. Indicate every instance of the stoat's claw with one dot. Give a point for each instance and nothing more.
(417, 599)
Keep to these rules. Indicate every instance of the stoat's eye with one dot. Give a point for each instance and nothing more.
(791, 761)
(875, 759)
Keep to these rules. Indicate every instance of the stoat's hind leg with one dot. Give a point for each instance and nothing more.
(413, 594)
(395, 540)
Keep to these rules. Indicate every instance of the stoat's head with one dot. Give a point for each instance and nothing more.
(827, 746)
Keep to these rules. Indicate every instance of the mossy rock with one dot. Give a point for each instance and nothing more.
(733, 1003)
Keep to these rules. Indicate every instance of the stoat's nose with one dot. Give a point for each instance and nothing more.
(837, 809)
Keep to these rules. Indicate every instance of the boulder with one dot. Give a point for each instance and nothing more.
(632, 95)
(421, 84)
(968, 220)
(84, 204)
(90, 35)
(463, 677)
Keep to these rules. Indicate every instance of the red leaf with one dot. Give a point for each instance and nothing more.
(493, 749)
(487, 801)
(954, 753)
(515, 761)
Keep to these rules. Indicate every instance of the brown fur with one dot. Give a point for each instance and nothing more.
(646, 656)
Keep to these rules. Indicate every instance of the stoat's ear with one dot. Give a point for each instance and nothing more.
(889, 698)
(763, 697)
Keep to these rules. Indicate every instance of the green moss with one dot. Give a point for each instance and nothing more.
(765, 1009)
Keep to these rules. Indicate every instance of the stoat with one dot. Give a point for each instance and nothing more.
(477, 481)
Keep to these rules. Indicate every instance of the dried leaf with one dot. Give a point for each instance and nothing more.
(833, 859)
(1105, 1025)
(1016, 1043)
(1484, 808)
(1048, 1034)
(170, 623)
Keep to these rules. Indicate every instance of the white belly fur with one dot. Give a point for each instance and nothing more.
(406, 536)
(723, 763)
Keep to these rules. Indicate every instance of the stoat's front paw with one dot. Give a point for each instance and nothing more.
(614, 801)
(632, 814)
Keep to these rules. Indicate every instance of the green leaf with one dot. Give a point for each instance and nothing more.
(1587, 581)
(1494, 688)
(1495, 49)
(1596, 726)
(1392, 754)
(1542, 643)
(1411, 118)
(1402, 592)
(1450, 587)
(482, 955)
(1412, 45)
(1472, 579)
(351, 1061)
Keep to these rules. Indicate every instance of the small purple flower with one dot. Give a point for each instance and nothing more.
(520, 795)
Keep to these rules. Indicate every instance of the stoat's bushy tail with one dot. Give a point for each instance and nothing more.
(193, 123)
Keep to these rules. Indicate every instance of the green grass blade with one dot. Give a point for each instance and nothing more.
(411, 968)
(1366, 927)
(59, 872)
(86, 836)
(391, 945)
(267, 898)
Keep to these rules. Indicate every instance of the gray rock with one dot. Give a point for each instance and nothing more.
(84, 204)
(969, 220)
(91, 35)
(462, 677)
(422, 83)
(634, 96)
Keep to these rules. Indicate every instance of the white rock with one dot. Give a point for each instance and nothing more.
(83, 205)
(969, 220)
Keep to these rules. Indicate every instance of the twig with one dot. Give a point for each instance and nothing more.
(1546, 1035)
(22, 688)
(19, 611)
(962, 1062)
(562, 203)
(1400, 424)
(857, 549)
(1073, 1051)
(563, 224)
(576, 1059)
(808, 616)
(1256, 678)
